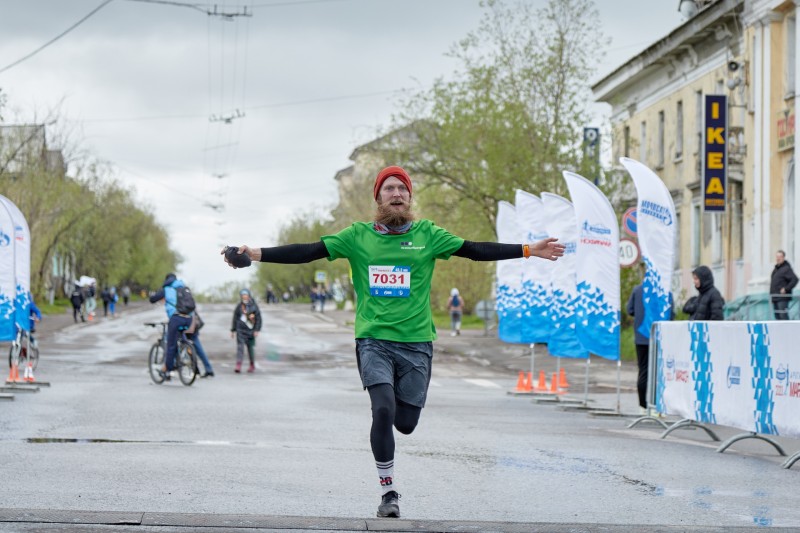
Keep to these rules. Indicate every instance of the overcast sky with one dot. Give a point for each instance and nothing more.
(137, 83)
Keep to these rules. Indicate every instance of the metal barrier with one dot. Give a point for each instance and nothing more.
(757, 370)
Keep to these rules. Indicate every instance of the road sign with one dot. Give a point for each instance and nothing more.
(629, 221)
(628, 253)
(485, 310)
(320, 276)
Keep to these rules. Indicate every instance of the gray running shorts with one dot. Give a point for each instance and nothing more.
(406, 366)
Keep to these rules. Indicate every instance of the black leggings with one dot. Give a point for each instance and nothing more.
(642, 356)
(388, 412)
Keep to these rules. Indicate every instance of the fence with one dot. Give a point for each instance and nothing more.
(759, 307)
(735, 374)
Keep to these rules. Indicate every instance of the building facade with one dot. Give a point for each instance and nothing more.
(747, 51)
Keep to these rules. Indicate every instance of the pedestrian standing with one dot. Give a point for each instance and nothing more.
(455, 305)
(709, 303)
(392, 260)
(113, 298)
(126, 294)
(245, 327)
(76, 299)
(91, 300)
(781, 283)
(105, 296)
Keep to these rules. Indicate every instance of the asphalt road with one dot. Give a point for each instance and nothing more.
(287, 448)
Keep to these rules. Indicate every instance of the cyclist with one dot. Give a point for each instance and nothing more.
(177, 321)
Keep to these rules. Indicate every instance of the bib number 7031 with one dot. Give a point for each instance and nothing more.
(390, 281)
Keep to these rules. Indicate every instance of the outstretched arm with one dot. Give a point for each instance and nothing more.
(496, 251)
(289, 254)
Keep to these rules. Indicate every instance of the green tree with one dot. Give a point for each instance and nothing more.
(87, 222)
(306, 227)
(512, 117)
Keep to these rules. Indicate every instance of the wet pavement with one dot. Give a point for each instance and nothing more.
(286, 448)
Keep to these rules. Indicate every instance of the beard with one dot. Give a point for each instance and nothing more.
(389, 215)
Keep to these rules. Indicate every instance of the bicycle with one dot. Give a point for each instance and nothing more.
(185, 361)
(25, 349)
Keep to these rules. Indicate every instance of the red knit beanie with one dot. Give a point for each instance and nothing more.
(388, 172)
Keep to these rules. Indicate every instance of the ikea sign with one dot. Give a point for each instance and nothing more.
(715, 153)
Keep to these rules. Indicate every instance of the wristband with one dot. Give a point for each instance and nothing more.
(526, 251)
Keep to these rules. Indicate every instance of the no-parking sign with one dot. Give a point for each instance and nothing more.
(629, 221)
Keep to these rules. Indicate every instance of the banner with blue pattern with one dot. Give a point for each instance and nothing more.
(7, 275)
(559, 214)
(536, 294)
(738, 374)
(655, 228)
(509, 294)
(22, 265)
(597, 268)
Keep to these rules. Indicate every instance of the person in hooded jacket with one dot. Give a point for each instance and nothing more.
(782, 282)
(76, 298)
(245, 326)
(709, 303)
(177, 321)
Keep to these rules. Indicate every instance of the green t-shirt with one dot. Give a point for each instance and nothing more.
(392, 277)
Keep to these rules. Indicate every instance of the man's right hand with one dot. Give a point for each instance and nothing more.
(254, 254)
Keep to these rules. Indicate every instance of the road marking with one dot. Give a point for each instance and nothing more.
(483, 383)
(435, 383)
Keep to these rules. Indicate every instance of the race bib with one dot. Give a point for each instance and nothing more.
(391, 281)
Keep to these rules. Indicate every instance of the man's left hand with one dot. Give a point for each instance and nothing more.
(548, 249)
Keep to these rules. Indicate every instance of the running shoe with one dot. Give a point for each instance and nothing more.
(389, 506)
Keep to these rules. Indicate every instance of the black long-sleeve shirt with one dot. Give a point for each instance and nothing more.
(305, 253)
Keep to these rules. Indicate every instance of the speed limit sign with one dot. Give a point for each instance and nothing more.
(628, 252)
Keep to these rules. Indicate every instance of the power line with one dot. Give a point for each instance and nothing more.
(59, 36)
(296, 2)
(263, 106)
(326, 99)
(198, 7)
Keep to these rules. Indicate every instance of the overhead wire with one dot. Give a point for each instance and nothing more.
(251, 108)
(57, 37)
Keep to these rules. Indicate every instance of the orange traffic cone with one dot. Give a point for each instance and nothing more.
(521, 382)
(13, 374)
(541, 386)
(29, 374)
(529, 382)
(554, 384)
(562, 380)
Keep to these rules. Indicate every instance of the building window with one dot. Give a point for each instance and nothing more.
(696, 235)
(643, 143)
(698, 117)
(791, 56)
(660, 163)
(626, 134)
(679, 130)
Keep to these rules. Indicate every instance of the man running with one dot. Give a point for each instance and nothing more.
(392, 261)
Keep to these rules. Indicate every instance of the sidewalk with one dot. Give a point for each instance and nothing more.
(55, 322)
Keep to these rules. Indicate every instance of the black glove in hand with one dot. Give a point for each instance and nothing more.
(235, 258)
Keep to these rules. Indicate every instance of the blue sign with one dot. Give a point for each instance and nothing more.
(715, 153)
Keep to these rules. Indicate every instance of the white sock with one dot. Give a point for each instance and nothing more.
(386, 476)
